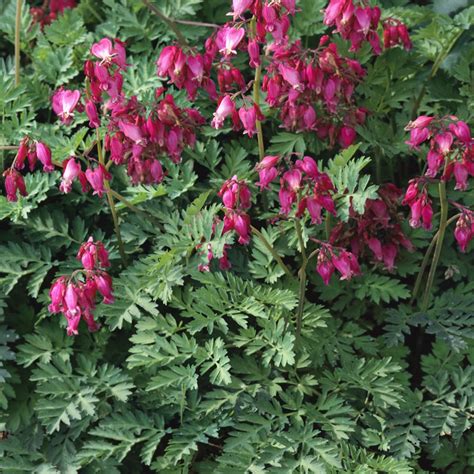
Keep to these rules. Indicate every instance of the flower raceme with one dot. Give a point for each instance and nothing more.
(451, 147)
(75, 296)
(464, 231)
(377, 233)
(236, 196)
(331, 258)
(420, 204)
(31, 151)
(49, 11)
(301, 183)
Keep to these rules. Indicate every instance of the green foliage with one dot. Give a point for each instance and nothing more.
(196, 371)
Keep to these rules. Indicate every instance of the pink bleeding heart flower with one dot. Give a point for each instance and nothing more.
(131, 131)
(421, 122)
(14, 182)
(461, 175)
(434, 160)
(44, 155)
(225, 109)
(417, 137)
(249, 117)
(324, 267)
(242, 227)
(64, 103)
(291, 75)
(228, 39)
(253, 49)
(71, 171)
(347, 136)
(97, 178)
(461, 131)
(104, 285)
(239, 7)
(21, 154)
(464, 231)
(56, 294)
(444, 142)
(346, 264)
(91, 111)
(103, 50)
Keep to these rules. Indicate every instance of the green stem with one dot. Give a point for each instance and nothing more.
(426, 259)
(302, 278)
(172, 25)
(19, 4)
(110, 200)
(270, 248)
(436, 65)
(132, 207)
(439, 243)
(256, 97)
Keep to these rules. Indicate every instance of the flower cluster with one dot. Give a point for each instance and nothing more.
(314, 91)
(357, 22)
(188, 71)
(395, 33)
(376, 233)
(354, 22)
(302, 183)
(451, 147)
(420, 203)
(50, 10)
(464, 231)
(32, 151)
(330, 258)
(135, 137)
(235, 195)
(75, 296)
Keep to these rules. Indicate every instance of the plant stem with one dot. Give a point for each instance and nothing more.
(258, 123)
(436, 65)
(270, 248)
(8, 147)
(132, 207)
(195, 23)
(426, 259)
(171, 23)
(110, 200)
(19, 4)
(256, 96)
(439, 243)
(302, 278)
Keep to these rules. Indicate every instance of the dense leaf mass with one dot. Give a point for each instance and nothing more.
(236, 236)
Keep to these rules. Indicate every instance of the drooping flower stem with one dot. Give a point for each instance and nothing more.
(19, 4)
(439, 243)
(426, 260)
(256, 97)
(270, 248)
(302, 279)
(110, 200)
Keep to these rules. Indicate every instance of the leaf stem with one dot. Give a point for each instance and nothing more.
(170, 22)
(270, 248)
(439, 244)
(110, 200)
(19, 4)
